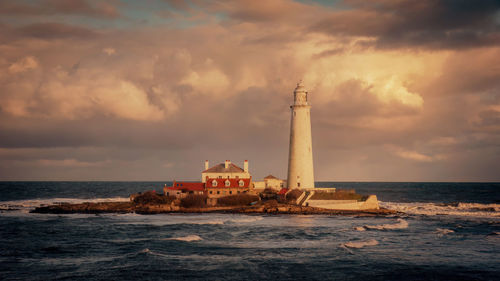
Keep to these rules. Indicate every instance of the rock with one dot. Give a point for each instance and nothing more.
(270, 207)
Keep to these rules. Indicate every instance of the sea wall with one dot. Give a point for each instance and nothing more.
(371, 203)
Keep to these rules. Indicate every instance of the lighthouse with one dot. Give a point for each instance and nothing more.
(300, 159)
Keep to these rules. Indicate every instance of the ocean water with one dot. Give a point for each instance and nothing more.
(448, 231)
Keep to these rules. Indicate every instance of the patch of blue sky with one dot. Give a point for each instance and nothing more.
(154, 12)
(334, 4)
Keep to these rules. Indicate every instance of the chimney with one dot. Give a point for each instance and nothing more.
(227, 164)
(245, 166)
(206, 164)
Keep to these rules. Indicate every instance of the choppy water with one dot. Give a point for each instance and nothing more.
(450, 231)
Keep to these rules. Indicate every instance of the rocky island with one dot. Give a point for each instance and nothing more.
(152, 203)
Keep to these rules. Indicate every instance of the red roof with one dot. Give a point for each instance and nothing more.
(233, 182)
(194, 186)
(283, 191)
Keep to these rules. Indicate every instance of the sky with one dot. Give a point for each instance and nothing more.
(401, 90)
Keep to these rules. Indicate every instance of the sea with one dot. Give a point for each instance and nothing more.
(445, 231)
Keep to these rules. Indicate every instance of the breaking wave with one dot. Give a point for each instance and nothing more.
(205, 222)
(451, 209)
(401, 224)
(246, 219)
(443, 231)
(361, 244)
(189, 238)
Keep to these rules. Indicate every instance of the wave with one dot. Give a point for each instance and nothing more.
(361, 244)
(246, 219)
(401, 224)
(452, 209)
(218, 221)
(29, 204)
(189, 238)
(213, 222)
(443, 231)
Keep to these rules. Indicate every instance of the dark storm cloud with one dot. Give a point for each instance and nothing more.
(52, 7)
(54, 31)
(440, 24)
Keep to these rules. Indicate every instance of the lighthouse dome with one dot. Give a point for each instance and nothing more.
(300, 94)
(300, 87)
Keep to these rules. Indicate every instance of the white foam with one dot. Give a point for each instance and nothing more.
(443, 231)
(361, 244)
(401, 224)
(189, 238)
(246, 219)
(207, 222)
(457, 209)
(360, 228)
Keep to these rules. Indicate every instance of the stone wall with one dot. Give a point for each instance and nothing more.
(371, 203)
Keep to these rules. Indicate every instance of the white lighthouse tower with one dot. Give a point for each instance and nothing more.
(300, 159)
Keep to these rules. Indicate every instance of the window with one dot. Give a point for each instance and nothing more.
(298, 184)
(210, 191)
(227, 183)
(220, 177)
(218, 192)
(241, 183)
(238, 192)
(214, 183)
(230, 192)
(167, 194)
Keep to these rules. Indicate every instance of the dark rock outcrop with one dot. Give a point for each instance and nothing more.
(266, 207)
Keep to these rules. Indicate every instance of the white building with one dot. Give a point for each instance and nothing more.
(225, 170)
(300, 159)
(269, 182)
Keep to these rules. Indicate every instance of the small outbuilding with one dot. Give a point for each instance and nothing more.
(183, 189)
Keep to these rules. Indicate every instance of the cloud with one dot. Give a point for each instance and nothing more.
(69, 163)
(109, 51)
(261, 11)
(92, 93)
(24, 64)
(211, 81)
(90, 8)
(55, 31)
(215, 80)
(425, 24)
(413, 155)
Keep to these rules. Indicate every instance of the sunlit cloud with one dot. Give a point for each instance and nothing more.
(401, 85)
(24, 64)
